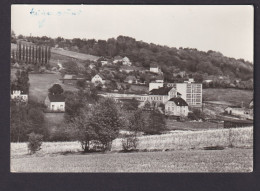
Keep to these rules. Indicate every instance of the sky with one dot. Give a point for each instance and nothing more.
(224, 28)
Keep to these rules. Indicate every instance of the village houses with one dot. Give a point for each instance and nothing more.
(18, 95)
(131, 80)
(176, 106)
(55, 103)
(155, 69)
(98, 78)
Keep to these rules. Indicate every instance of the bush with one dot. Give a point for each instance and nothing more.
(35, 142)
(129, 143)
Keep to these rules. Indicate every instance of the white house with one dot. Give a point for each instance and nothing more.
(98, 78)
(235, 110)
(155, 69)
(176, 106)
(162, 95)
(131, 79)
(155, 85)
(126, 61)
(18, 95)
(118, 59)
(55, 102)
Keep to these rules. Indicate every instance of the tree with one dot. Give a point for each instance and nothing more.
(56, 89)
(137, 121)
(156, 123)
(105, 120)
(19, 122)
(84, 132)
(81, 84)
(131, 104)
(21, 82)
(35, 142)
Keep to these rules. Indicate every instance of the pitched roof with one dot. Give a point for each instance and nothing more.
(160, 91)
(179, 93)
(100, 75)
(118, 58)
(56, 98)
(179, 101)
(130, 78)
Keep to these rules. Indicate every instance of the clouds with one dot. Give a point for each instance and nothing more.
(228, 29)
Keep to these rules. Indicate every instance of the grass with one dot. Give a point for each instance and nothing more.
(40, 83)
(194, 126)
(227, 95)
(185, 140)
(180, 140)
(228, 160)
(75, 55)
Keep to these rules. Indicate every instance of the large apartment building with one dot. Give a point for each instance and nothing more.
(191, 92)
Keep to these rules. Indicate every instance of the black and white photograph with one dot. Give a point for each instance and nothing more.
(131, 88)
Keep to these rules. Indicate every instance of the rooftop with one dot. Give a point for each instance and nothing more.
(160, 91)
(56, 98)
(179, 101)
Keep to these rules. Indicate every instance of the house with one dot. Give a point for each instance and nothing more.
(91, 66)
(117, 59)
(155, 69)
(71, 79)
(155, 85)
(130, 79)
(55, 103)
(127, 69)
(176, 106)
(126, 61)
(19, 96)
(182, 74)
(162, 95)
(235, 110)
(98, 78)
(191, 92)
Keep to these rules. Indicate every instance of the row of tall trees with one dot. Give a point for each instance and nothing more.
(32, 54)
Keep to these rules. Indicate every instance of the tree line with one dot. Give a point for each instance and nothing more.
(31, 54)
(170, 59)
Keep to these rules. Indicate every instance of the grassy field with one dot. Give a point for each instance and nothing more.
(234, 96)
(40, 83)
(179, 140)
(228, 160)
(75, 55)
(194, 126)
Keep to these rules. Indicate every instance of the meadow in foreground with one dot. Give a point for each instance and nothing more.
(227, 160)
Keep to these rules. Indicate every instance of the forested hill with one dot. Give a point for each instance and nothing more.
(169, 58)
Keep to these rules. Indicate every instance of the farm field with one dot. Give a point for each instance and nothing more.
(228, 160)
(233, 96)
(40, 83)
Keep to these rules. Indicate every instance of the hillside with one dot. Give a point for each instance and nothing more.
(172, 60)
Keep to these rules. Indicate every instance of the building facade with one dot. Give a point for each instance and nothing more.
(191, 92)
(176, 106)
(18, 95)
(98, 78)
(55, 103)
